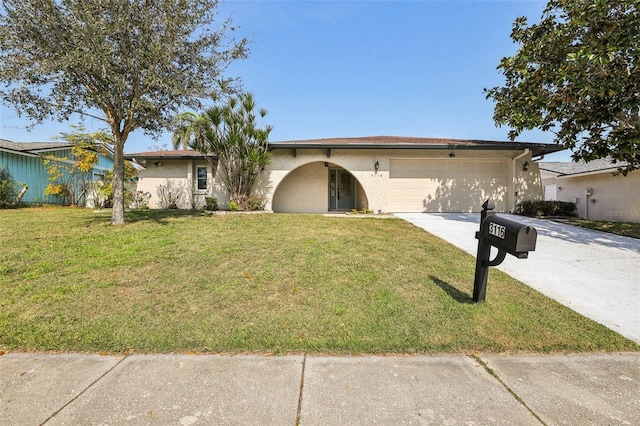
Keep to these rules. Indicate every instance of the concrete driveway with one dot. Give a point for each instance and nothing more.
(594, 273)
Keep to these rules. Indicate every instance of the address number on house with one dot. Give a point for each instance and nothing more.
(497, 230)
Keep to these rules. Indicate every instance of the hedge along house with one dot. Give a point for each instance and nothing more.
(382, 174)
(25, 163)
(593, 187)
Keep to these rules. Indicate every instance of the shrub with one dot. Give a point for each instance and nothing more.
(255, 203)
(169, 196)
(140, 199)
(104, 188)
(233, 206)
(363, 211)
(211, 203)
(8, 188)
(546, 208)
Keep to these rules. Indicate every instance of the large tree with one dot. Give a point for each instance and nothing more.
(576, 73)
(131, 63)
(232, 133)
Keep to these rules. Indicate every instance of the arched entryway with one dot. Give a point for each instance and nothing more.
(319, 187)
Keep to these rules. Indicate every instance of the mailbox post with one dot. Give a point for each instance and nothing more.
(507, 236)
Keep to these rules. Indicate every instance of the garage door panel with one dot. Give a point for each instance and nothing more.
(456, 166)
(446, 186)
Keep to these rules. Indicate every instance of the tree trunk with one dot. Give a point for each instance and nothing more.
(21, 194)
(117, 212)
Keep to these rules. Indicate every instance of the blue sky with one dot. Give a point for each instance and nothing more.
(362, 68)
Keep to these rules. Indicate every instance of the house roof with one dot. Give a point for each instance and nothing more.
(178, 154)
(404, 142)
(569, 168)
(32, 147)
(368, 142)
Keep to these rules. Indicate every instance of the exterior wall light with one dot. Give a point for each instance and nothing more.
(525, 166)
(376, 166)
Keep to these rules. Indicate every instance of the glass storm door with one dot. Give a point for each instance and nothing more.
(341, 190)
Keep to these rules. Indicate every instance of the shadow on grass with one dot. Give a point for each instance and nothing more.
(455, 294)
(160, 217)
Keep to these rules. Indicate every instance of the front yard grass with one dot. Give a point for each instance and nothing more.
(628, 229)
(269, 283)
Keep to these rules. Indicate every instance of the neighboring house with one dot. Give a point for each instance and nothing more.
(383, 174)
(25, 163)
(597, 192)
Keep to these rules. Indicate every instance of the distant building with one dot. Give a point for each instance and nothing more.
(598, 194)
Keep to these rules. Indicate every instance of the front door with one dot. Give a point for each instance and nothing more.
(341, 190)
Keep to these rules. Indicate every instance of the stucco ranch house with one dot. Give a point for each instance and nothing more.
(381, 173)
(597, 192)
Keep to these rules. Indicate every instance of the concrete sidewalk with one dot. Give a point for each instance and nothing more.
(74, 389)
(594, 273)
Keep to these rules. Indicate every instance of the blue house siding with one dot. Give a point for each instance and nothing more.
(30, 171)
(26, 167)
(104, 163)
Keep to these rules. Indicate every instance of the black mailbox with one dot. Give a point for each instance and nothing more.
(507, 236)
(514, 238)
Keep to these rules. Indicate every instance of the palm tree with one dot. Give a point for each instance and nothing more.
(231, 133)
(191, 131)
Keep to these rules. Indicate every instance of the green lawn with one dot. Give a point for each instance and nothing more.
(276, 283)
(628, 229)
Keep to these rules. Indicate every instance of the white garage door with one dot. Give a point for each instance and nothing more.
(446, 185)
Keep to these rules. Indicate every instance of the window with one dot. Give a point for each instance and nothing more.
(201, 174)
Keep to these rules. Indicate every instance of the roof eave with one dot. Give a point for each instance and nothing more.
(137, 157)
(536, 149)
(57, 148)
(17, 152)
(591, 172)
